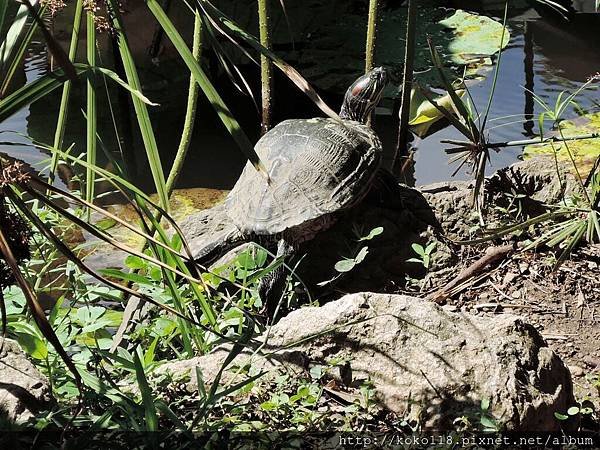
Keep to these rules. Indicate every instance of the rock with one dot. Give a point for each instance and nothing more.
(576, 371)
(23, 389)
(425, 362)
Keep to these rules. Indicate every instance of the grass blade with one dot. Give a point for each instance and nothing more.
(207, 87)
(218, 17)
(33, 91)
(63, 109)
(147, 398)
(141, 110)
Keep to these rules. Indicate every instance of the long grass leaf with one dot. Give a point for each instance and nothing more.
(141, 111)
(207, 87)
(63, 110)
(147, 397)
(32, 91)
(15, 31)
(3, 8)
(91, 113)
(14, 47)
(216, 15)
(496, 70)
(462, 110)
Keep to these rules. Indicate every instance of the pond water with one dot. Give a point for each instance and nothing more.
(543, 55)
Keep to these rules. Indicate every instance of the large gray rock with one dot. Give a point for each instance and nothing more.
(23, 389)
(424, 362)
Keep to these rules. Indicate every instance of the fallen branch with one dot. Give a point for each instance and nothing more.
(492, 256)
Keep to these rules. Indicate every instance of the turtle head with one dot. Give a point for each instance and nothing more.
(364, 94)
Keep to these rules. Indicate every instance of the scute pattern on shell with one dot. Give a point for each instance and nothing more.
(317, 167)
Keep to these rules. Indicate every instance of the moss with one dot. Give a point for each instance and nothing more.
(584, 151)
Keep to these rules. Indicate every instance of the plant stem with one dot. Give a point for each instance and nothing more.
(266, 66)
(371, 35)
(91, 116)
(190, 112)
(521, 142)
(407, 81)
(63, 111)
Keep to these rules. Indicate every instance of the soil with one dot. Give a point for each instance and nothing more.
(564, 305)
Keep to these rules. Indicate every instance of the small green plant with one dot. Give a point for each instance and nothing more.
(425, 254)
(480, 420)
(576, 411)
(359, 250)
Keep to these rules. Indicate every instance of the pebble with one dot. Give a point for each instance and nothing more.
(576, 371)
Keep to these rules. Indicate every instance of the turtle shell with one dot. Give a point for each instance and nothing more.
(317, 167)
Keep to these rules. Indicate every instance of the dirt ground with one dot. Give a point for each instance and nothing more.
(564, 305)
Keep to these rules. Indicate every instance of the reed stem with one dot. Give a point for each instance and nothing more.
(266, 66)
(371, 35)
(190, 112)
(91, 113)
(407, 82)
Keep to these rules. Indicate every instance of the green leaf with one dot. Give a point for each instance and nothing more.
(133, 91)
(430, 247)
(345, 265)
(573, 411)
(147, 397)
(426, 113)
(475, 35)
(418, 249)
(33, 346)
(485, 404)
(268, 406)
(362, 254)
(584, 151)
(488, 423)
(105, 224)
(560, 416)
(373, 233)
(126, 276)
(135, 262)
(316, 372)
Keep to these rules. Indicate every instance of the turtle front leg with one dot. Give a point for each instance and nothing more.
(272, 285)
(387, 191)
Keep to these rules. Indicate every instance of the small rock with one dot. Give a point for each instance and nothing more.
(576, 371)
(594, 363)
(509, 278)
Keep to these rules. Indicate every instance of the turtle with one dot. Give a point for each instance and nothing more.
(317, 168)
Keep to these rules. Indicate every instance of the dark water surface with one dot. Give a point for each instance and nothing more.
(544, 56)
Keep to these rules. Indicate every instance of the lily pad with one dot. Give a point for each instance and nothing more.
(474, 37)
(584, 151)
